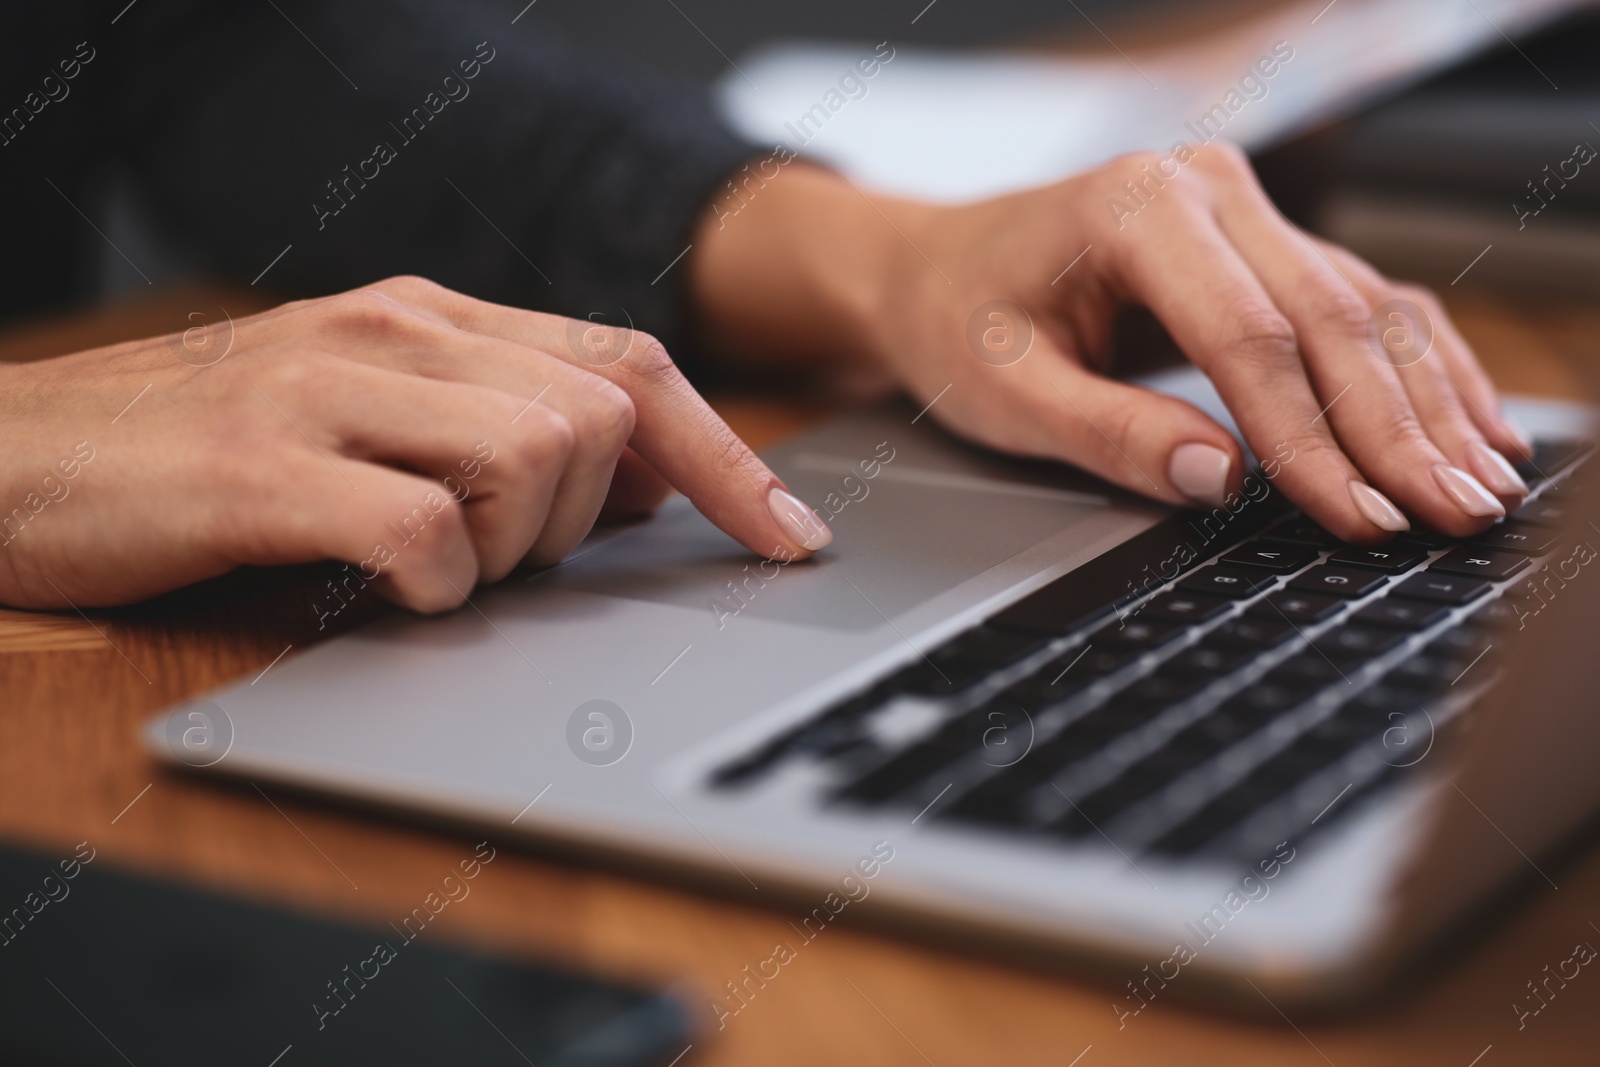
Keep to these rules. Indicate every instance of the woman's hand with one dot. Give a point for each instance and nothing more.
(1000, 313)
(431, 440)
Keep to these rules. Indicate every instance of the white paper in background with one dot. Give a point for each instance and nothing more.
(943, 126)
(952, 126)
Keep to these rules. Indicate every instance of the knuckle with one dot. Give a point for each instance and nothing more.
(1400, 426)
(370, 313)
(1422, 296)
(1225, 158)
(297, 371)
(1344, 310)
(1134, 162)
(403, 285)
(648, 360)
(611, 413)
(544, 436)
(1321, 450)
(1141, 170)
(1261, 335)
(435, 521)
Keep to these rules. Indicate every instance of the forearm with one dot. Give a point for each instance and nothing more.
(487, 157)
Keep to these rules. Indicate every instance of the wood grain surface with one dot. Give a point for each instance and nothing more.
(74, 692)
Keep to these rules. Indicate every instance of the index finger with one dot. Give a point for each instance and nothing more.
(1223, 319)
(675, 431)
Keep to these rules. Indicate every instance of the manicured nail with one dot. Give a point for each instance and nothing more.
(1200, 472)
(1377, 508)
(1495, 471)
(1519, 432)
(797, 520)
(1468, 493)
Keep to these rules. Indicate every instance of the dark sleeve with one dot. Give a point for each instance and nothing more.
(322, 146)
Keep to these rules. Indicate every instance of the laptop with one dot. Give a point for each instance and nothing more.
(1214, 754)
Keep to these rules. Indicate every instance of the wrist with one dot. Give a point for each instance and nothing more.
(795, 266)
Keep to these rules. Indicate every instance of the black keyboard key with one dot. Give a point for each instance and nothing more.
(831, 737)
(1086, 815)
(1005, 798)
(1197, 738)
(1116, 717)
(1374, 704)
(1001, 801)
(1548, 510)
(1257, 631)
(903, 771)
(1157, 692)
(1144, 634)
(1516, 536)
(1441, 588)
(1333, 580)
(1390, 558)
(1069, 674)
(752, 766)
(1306, 671)
(1550, 458)
(1247, 712)
(1185, 607)
(1303, 531)
(1234, 583)
(1350, 645)
(1207, 824)
(1092, 662)
(1462, 645)
(1423, 674)
(1423, 540)
(965, 660)
(1404, 614)
(924, 679)
(986, 647)
(1077, 742)
(1209, 660)
(826, 733)
(1150, 775)
(1479, 563)
(1263, 701)
(1306, 756)
(1183, 754)
(1219, 816)
(1279, 557)
(1499, 614)
(1087, 595)
(1299, 608)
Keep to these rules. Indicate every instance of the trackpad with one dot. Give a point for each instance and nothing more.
(906, 535)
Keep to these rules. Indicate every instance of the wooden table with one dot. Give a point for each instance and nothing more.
(74, 693)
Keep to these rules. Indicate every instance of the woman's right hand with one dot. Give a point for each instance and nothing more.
(429, 439)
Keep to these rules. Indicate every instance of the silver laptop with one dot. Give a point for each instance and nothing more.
(1009, 707)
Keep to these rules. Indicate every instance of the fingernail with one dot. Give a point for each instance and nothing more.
(1200, 472)
(1518, 431)
(1468, 493)
(797, 520)
(1495, 471)
(1377, 508)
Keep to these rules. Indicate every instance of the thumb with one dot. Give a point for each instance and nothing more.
(1139, 439)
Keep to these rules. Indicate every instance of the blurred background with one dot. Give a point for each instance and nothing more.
(1414, 131)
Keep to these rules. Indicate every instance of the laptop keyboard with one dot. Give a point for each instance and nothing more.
(1217, 684)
